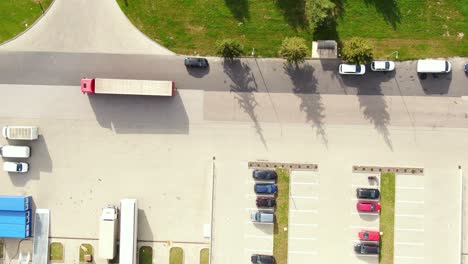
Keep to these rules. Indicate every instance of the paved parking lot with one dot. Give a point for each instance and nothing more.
(409, 219)
(303, 236)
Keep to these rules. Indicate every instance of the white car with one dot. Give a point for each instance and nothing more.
(382, 66)
(352, 69)
(15, 166)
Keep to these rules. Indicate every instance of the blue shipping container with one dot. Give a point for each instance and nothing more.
(15, 231)
(14, 217)
(15, 203)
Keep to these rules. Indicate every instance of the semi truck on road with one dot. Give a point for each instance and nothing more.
(107, 232)
(127, 87)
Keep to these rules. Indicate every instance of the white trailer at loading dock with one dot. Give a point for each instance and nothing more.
(128, 231)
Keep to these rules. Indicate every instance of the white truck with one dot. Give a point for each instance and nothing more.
(20, 132)
(9, 151)
(128, 87)
(107, 232)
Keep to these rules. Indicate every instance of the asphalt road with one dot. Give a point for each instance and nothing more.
(246, 75)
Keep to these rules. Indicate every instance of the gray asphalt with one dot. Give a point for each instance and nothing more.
(245, 75)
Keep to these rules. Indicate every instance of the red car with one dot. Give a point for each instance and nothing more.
(369, 235)
(368, 206)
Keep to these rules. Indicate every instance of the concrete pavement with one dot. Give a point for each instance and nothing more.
(85, 26)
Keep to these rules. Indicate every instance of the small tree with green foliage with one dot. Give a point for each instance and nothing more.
(229, 49)
(318, 11)
(357, 51)
(294, 49)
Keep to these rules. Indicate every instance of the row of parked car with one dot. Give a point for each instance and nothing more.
(423, 66)
(13, 151)
(266, 191)
(368, 202)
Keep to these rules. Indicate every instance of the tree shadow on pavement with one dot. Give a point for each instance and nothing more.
(388, 9)
(239, 9)
(305, 87)
(243, 86)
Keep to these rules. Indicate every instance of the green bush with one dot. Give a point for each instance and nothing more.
(229, 49)
(357, 51)
(294, 49)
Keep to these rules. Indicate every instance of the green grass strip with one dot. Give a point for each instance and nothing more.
(176, 256)
(56, 251)
(1, 249)
(145, 255)
(387, 217)
(85, 249)
(204, 256)
(280, 237)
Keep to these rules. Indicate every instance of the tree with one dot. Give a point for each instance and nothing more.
(318, 11)
(357, 50)
(229, 49)
(294, 49)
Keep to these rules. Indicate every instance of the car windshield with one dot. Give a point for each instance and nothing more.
(365, 235)
(358, 68)
(19, 167)
(387, 65)
(268, 187)
(372, 207)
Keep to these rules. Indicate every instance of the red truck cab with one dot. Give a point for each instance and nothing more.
(87, 85)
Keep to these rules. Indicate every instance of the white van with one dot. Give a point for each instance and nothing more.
(20, 132)
(15, 151)
(15, 166)
(434, 66)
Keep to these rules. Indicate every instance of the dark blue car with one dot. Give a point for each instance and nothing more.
(266, 188)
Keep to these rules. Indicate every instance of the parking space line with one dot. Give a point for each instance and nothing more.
(410, 229)
(409, 215)
(365, 227)
(303, 211)
(303, 252)
(303, 197)
(412, 202)
(409, 243)
(409, 257)
(369, 242)
(258, 195)
(258, 223)
(304, 183)
(253, 182)
(362, 255)
(258, 250)
(410, 188)
(303, 238)
(366, 200)
(314, 225)
(355, 213)
(259, 209)
(252, 236)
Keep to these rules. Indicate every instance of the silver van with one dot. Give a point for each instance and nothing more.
(10, 151)
(433, 66)
(262, 217)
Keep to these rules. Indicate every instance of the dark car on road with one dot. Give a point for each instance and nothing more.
(367, 193)
(267, 202)
(262, 259)
(196, 62)
(267, 175)
(367, 249)
(265, 188)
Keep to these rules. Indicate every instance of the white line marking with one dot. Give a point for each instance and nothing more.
(362, 213)
(303, 197)
(259, 209)
(258, 223)
(253, 182)
(410, 202)
(362, 241)
(410, 229)
(367, 200)
(409, 257)
(410, 188)
(314, 225)
(303, 252)
(252, 236)
(410, 216)
(259, 250)
(370, 228)
(303, 211)
(304, 183)
(361, 255)
(259, 195)
(409, 243)
(303, 238)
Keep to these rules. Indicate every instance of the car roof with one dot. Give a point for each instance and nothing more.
(380, 64)
(348, 67)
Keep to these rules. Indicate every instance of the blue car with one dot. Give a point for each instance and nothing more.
(266, 188)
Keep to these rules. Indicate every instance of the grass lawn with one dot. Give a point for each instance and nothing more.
(387, 217)
(280, 237)
(56, 251)
(145, 255)
(416, 28)
(176, 255)
(88, 251)
(15, 14)
(204, 256)
(1, 249)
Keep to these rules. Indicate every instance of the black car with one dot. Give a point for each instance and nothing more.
(196, 62)
(367, 249)
(265, 202)
(268, 175)
(367, 193)
(262, 259)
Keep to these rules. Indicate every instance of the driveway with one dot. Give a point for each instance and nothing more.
(88, 26)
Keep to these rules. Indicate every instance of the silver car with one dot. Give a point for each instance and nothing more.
(382, 66)
(262, 217)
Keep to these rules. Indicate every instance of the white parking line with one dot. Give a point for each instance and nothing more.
(367, 200)
(264, 237)
(303, 238)
(303, 197)
(258, 250)
(410, 202)
(258, 223)
(259, 209)
(410, 188)
(304, 183)
(303, 252)
(260, 194)
(361, 255)
(409, 257)
(303, 211)
(359, 241)
(410, 216)
(409, 243)
(355, 213)
(410, 229)
(370, 228)
(253, 182)
(313, 225)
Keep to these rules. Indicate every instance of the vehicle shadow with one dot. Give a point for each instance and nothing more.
(305, 87)
(243, 86)
(140, 114)
(435, 83)
(39, 161)
(143, 224)
(198, 72)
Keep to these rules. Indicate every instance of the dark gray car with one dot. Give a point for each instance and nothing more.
(367, 193)
(266, 175)
(196, 62)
